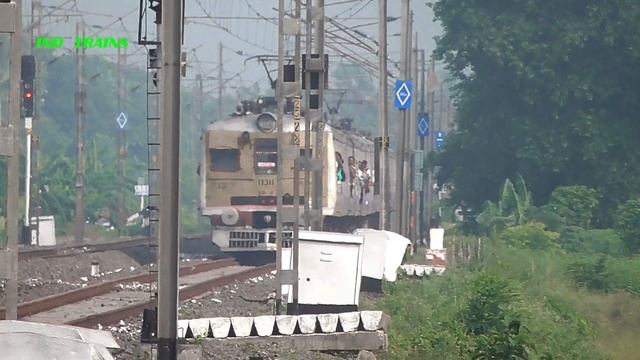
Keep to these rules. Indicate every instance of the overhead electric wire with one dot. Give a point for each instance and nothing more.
(225, 29)
(359, 10)
(350, 8)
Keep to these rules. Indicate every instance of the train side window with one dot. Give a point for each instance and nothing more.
(224, 160)
(266, 154)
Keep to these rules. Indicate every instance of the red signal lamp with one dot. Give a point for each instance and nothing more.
(28, 95)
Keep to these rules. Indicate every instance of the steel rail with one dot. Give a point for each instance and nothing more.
(61, 251)
(53, 301)
(186, 293)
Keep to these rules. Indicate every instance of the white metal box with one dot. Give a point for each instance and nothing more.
(383, 253)
(436, 238)
(329, 268)
(46, 225)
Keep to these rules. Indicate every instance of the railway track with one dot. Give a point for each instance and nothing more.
(71, 250)
(109, 302)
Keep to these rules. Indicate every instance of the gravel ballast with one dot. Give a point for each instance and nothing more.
(248, 298)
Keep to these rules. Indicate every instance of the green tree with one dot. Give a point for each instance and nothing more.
(576, 204)
(628, 224)
(543, 88)
(511, 209)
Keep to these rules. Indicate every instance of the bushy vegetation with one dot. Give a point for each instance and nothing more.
(591, 274)
(595, 241)
(532, 236)
(500, 311)
(628, 224)
(544, 287)
(575, 204)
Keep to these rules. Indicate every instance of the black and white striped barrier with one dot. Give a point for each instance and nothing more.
(422, 270)
(268, 325)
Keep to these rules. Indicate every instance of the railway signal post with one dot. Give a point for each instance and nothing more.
(288, 87)
(11, 23)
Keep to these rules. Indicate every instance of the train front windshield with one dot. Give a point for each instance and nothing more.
(266, 155)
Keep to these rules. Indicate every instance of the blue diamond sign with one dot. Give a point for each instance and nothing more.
(122, 120)
(423, 125)
(403, 94)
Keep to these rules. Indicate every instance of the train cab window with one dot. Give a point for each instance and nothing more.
(266, 154)
(224, 160)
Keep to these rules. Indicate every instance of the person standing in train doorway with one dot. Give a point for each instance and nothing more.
(353, 174)
(340, 175)
(365, 180)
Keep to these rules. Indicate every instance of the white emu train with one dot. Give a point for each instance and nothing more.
(238, 174)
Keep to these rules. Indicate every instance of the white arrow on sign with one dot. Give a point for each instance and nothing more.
(122, 120)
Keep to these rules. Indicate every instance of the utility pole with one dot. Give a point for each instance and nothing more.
(171, 37)
(449, 109)
(36, 8)
(424, 218)
(400, 159)
(80, 171)
(317, 114)
(196, 111)
(280, 279)
(307, 120)
(406, 174)
(28, 126)
(432, 84)
(383, 110)
(220, 80)
(11, 135)
(441, 124)
(122, 144)
(33, 23)
(412, 135)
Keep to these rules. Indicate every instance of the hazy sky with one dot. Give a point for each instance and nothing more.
(238, 24)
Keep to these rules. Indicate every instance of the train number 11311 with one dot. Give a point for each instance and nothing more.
(266, 182)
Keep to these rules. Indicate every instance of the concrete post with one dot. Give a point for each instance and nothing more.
(170, 169)
(13, 164)
(80, 171)
(383, 110)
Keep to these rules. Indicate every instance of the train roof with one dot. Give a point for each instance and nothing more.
(249, 123)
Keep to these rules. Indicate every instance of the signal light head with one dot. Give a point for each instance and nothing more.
(28, 95)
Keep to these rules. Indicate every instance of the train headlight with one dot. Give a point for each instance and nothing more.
(230, 216)
(266, 122)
